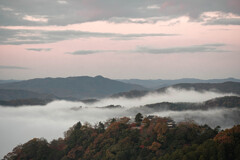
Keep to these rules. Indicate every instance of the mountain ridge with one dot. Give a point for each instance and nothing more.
(226, 87)
(159, 83)
(73, 87)
(150, 137)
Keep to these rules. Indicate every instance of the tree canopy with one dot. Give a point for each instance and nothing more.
(120, 139)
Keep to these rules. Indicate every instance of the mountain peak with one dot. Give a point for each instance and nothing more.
(98, 76)
(74, 87)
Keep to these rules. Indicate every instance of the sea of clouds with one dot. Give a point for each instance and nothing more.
(20, 124)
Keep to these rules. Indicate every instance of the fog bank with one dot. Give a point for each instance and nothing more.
(171, 95)
(20, 124)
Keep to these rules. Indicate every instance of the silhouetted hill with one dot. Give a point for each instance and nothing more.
(148, 138)
(131, 94)
(11, 94)
(226, 87)
(222, 102)
(159, 83)
(8, 81)
(73, 87)
(26, 102)
(228, 102)
(10, 97)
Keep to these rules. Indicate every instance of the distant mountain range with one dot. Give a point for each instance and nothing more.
(13, 94)
(72, 88)
(26, 102)
(159, 83)
(226, 87)
(8, 81)
(44, 90)
(221, 102)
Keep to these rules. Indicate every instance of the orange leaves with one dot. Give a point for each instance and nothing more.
(98, 139)
(228, 135)
(112, 129)
(155, 146)
(145, 122)
(156, 126)
(16, 153)
(141, 146)
(124, 141)
(72, 152)
(160, 128)
(161, 138)
(58, 144)
(124, 120)
(94, 134)
(223, 138)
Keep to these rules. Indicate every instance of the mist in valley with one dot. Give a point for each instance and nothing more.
(20, 124)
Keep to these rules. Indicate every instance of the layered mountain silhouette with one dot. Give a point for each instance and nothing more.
(13, 94)
(72, 88)
(43, 90)
(221, 102)
(226, 87)
(159, 83)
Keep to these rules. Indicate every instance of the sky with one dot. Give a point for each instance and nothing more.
(145, 39)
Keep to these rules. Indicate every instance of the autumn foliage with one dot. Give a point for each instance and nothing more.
(123, 139)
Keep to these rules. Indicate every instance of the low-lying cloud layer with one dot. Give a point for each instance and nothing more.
(18, 37)
(171, 95)
(189, 49)
(18, 125)
(39, 49)
(204, 48)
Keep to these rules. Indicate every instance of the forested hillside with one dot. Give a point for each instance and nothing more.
(226, 87)
(159, 83)
(72, 88)
(149, 138)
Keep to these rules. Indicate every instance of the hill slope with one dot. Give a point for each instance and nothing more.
(152, 138)
(159, 83)
(226, 87)
(11, 94)
(73, 87)
(221, 102)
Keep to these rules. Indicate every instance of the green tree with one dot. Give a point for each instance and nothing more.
(138, 118)
(78, 125)
(101, 127)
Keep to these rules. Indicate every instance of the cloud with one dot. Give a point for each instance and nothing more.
(39, 49)
(153, 7)
(79, 11)
(205, 48)
(16, 37)
(86, 52)
(224, 21)
(135, 20)
(40, 19)
(146, 35)
(171, 95)
(7, 9)
(58, 116)
(62, 2)
(13, 67)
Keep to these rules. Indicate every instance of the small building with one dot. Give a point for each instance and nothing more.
(171, 123)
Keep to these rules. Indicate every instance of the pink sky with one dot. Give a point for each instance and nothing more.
(121, 60)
